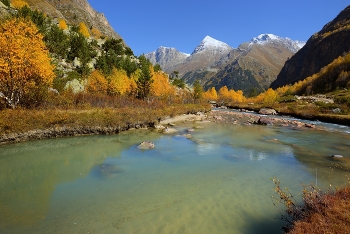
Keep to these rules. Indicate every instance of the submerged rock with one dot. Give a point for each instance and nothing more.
(110, 170)
(145, 145)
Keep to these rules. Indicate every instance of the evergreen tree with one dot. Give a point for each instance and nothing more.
(157, 68)
(197, 90)
(6, 2)
(129, 66)
(57, 41)
(114, 46)
(80, 48)
(145, 80)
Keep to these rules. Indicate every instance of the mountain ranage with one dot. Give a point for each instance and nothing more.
(252, 67)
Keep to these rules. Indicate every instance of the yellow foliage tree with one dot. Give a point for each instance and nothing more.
(270, 96)
(236, 96)
(161, 86)
(96, 33)
(62, 24)
(211, 94)
(18, 3)
(84, 30)
(119, 83)
(224, 94)
(26, 71)
(97, 83)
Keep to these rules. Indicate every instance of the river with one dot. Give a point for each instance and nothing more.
(217, 181)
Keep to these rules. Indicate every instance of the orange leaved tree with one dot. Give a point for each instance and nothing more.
(84, 30)
(62, 24)
(18, 3)
(161, 86)
(26, 71)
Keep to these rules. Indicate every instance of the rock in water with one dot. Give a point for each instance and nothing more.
(169, 130)
(110, 170)
(337, 156)
(267, 111)
(145, 145)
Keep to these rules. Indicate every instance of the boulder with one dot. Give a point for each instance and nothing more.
(145, 145)
(267, 111)
(265, 121)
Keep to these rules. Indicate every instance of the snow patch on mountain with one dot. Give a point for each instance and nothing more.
(262, 39)
(209, 43)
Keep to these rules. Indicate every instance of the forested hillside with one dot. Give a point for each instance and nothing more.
(45, 59)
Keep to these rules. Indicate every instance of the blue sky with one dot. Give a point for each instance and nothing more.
(146, 25)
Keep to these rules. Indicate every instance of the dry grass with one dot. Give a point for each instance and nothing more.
(23, 120)
(328, 214)
(320, 212)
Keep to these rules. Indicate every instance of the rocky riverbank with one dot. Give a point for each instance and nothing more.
(68, 131)
(242, 117)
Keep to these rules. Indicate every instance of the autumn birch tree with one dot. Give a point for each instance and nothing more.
(26, 72)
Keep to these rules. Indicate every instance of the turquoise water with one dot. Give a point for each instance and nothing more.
(218, 181)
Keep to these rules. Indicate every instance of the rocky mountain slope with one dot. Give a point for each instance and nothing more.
(250, 67)
(253, 65)
(208, 52)
(166, 57)
(74, 12)
(321, 49)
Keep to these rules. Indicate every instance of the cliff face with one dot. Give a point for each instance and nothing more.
(321, 49)
(74, 12)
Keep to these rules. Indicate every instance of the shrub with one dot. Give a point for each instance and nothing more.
(319, 212)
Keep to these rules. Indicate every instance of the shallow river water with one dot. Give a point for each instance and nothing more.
(216, 182)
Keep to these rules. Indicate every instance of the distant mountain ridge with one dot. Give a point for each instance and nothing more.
(320, 50)
(253, 65)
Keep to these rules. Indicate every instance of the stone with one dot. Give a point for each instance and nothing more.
(110, 170)
(336, 111)
(267, 111)
(265, 121)
(76, 62)
(310, 125)
(146, 145)
(159, 127)
(168, 130)
(337, 156)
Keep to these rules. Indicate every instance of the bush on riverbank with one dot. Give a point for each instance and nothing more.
(320, 212)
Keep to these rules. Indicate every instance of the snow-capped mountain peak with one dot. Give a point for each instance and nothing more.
(262, 39)
(209, 43)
